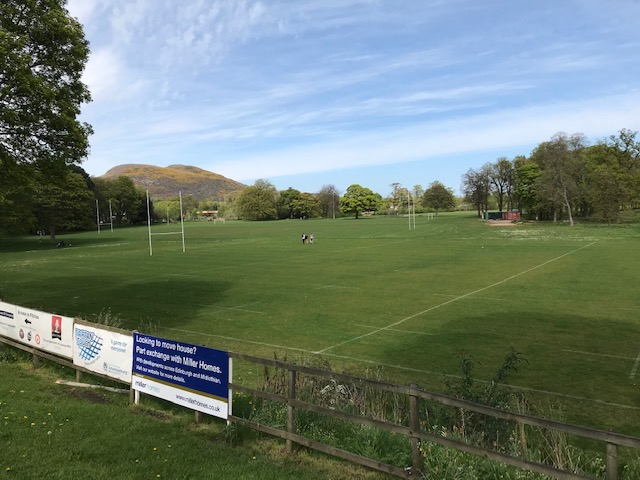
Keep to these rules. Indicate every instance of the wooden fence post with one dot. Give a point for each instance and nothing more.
(291, 413)
(36, 360)
(414, 424)
(612, 461)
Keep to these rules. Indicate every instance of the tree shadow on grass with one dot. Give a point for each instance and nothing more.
(171, 301)
(37, 243)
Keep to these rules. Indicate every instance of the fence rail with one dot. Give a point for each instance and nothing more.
(415, 397)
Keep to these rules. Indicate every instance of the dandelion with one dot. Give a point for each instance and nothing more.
(154, 449)
(33, 424)
(49, 432)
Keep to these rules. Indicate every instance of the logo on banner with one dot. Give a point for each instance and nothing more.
(89, 345)
(56, 327)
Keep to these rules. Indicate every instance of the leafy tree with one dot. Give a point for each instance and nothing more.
(475, 187)
(438, 197)
(285, 202)
(526, 175)
(16, 197)
(329, 200)
(560, 161)
(306, 205)
(257, 202)
(43, 53)
(627, 153)
(399, 197)
(501, 178)
(359, 199)
(65, 203)
(610, 185)
(128, 204)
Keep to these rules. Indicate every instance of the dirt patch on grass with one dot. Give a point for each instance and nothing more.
(501, 223)
(89, 396)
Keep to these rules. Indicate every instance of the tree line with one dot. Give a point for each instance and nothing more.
(42, 144)
(563, 178)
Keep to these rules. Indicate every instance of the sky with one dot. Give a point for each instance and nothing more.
(308, 93)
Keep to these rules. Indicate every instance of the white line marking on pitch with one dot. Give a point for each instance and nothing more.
(399, 367)
(475, 298)
(599, 354)
(396, 330)
(454, 299)
(635, 367)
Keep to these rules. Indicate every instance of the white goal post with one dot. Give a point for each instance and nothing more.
(181, 232)
(110, 222)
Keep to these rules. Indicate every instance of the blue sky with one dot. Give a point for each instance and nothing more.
(306, 93)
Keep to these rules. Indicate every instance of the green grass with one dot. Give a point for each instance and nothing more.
(371, 294)
(56, 432)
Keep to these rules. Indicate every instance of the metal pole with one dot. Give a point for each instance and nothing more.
(111, 215)
(149, 224)
(182, 222)
(97, 216)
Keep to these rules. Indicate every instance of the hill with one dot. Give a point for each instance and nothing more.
(165, 182)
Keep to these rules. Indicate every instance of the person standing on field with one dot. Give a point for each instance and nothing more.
(304, 238)
(311, 238)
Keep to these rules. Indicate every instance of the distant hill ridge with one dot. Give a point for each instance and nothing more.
(165, 182)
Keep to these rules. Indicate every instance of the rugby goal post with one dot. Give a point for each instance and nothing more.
(181, 232)
(104, 224)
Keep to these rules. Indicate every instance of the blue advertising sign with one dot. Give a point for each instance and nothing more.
(190, 375)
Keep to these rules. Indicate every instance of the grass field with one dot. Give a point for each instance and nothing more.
(371, 296)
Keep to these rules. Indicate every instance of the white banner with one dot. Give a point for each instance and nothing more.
(102, 351)
(8, 326)
(186, 398)
(46, 331)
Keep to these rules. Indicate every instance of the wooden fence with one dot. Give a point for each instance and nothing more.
(415, 399)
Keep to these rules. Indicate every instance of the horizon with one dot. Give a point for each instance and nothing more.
(354, 91)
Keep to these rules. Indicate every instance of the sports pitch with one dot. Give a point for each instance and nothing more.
(372, 296)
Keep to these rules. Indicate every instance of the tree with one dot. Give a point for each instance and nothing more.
(475, 187)
(610, 183)
(526, 175)
(560, 163)
(257, 202)
(306, 205)
(359, 199)
(16, 197)
(285, 202)
(501, 177)
(128, 204)
(399, 197)
(438, 197)
(329, 200)
(43, 53)
(64, 203)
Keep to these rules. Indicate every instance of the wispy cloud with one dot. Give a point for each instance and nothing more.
(268, 88)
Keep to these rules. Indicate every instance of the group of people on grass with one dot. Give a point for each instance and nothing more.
(307, 239)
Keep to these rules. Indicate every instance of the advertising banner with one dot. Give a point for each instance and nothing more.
(189, 375)
(102, 351)
(8, 326)
(46, 331)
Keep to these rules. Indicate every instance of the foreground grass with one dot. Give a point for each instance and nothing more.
(50, 431)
